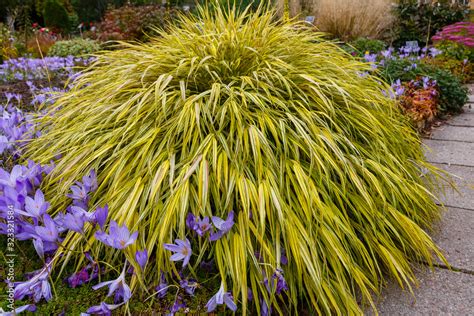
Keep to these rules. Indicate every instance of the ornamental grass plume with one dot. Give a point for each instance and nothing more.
(239, 112)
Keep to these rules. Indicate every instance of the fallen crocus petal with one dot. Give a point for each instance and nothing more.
(18, 310)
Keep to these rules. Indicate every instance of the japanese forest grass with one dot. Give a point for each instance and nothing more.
(234, 111)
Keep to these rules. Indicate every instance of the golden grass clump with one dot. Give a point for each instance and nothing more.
(236, 111)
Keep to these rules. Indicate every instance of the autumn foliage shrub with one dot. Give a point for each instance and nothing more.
(132, 22)
(419, 101)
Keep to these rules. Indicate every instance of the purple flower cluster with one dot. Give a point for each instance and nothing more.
(39, 68)
(15, 128)
(219, 228)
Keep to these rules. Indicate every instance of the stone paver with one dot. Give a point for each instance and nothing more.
(441, 292)
(450, 152)
(454, 234)
(463, 120)
(471, 99)
(468, 109)
(459, 133)
(464, 180)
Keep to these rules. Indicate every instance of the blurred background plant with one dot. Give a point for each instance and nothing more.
(453, 95)
(349, 20)
(456, 41)
(74, 47)
(418, 20)
(133, 22)
(7, 41)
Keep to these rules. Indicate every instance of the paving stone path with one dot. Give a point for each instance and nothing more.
(444, 291)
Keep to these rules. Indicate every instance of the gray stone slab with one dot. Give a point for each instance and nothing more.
(449, 152)
(463, 177)
(440, 292)
(454, 234)
(459, 133)
(471, 99)
(468, 108)
(465, 119)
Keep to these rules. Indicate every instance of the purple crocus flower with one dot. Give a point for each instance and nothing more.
(49, 232)
(118, 237)
(103, 309)
(79, 195)
(37, 206)
(74, 222)
(189, 285)
(117, 286)
(202, 226)
(142, 258)
(90, 181)
(222, 226)
(182, 251)
(220, 298)
(281, 282)
(177, 305)
(162, 288)
(37, 287)
(190, 220)
(100, 215)
(10, 179)
(78, 278)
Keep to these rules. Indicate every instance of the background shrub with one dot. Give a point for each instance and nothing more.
(74, 47)
(130, 22)
(246, 113)
(7, 48)
(419, 20)
(462, 69)
(363, 45)
(56, 16)
(456, 41)
(453, 95)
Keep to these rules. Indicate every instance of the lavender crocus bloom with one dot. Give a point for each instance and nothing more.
(118, 237)
(90, 181)
(281, 282)
(177, 305)
(162, 288)
(222, 226)
(79, 192)
(100, 215)
(102, 309)
(74, 222)
(220, 298)
(202, 226)
(190, 220)
(189, 285)
(37, 206)
(117, 286)
(49, 232)
(37, 287)
(10, 179)
(78, 278)
(142, 258)
(182, 251)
